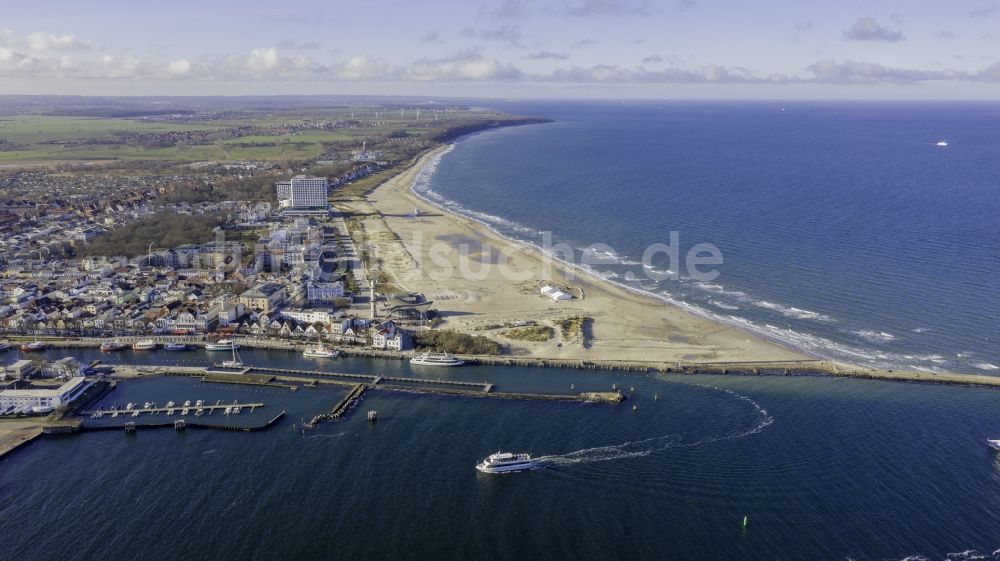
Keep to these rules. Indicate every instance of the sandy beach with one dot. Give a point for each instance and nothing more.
(484, 284)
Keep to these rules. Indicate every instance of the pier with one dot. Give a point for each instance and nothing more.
(181, 424)
(198, 410)
(373, 379)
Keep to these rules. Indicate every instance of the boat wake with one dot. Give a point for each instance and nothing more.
(645, 447)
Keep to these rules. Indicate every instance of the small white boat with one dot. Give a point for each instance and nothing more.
(34, 347)
(436, 359)
(942, 143)
(319, 351)
(993, 443)
(112, 346)
(235, 362)
(144, 345)
(221, 345)
(506, 462)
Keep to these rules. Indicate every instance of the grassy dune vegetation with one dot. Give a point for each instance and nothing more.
(534, 333)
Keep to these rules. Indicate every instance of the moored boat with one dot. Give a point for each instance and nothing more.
(436, 359)
(33, 347)
(112, 346)
(319, 351)
(176, 347)
(236, 361)
(221, 345)
(506, 462)
(144, 345)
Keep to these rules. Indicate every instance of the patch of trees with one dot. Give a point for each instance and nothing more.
(447, 134)
(162, 230)
(247, 188)
(455, 342)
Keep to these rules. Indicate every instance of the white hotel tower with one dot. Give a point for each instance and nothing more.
(303, 195)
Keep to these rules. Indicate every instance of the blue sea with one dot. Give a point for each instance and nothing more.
(888, 471)
(845, 230)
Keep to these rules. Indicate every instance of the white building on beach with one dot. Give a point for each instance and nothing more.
(555, 294)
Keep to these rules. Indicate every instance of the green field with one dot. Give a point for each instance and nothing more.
(41, 139)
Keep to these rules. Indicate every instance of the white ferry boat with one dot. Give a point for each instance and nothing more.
(144, 345)
(994, 443)
(319, 351)
(504, 462)
(221, 345)
(436, 359)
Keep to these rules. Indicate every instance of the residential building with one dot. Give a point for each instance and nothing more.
(264, 297)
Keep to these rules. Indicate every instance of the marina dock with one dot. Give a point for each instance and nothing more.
(181, 424)
(181, 410)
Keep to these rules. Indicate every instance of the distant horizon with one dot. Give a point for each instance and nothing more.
(508, 98)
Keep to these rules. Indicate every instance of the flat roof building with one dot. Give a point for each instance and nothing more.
(43, 399)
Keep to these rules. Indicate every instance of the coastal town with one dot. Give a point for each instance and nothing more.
(180, 255)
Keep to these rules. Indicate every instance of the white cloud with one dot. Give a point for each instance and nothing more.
(180, 67)
(51, 42)
(870, 73)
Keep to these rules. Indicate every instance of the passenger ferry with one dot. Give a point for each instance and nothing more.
(144, 345)
(994, 443)
(33, 347)
(504, 462)
(436, 359)
(221, 345)
(319, 351)
(176, 347)
(112, 346)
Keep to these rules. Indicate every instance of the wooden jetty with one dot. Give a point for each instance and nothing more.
(179, 409)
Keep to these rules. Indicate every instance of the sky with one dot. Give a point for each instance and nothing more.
(612, 49)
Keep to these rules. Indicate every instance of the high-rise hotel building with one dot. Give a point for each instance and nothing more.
(303, 193)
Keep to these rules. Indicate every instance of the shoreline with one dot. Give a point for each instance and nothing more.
(631, 290)
(402, 186)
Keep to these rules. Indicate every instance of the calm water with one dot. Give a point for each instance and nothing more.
(844, 229)
(824, 469)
